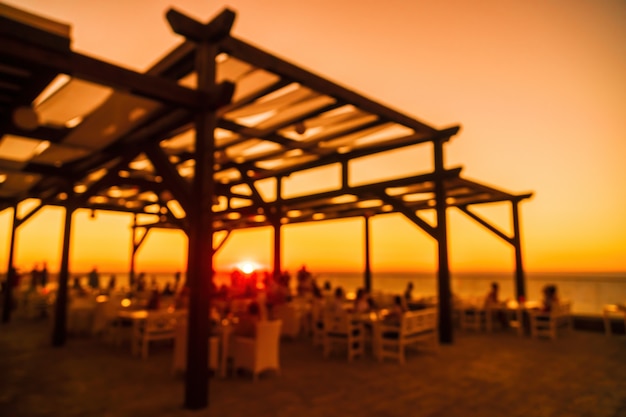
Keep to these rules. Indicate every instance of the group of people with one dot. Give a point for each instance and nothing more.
(364, 303)
(39, 277)
(550, 297)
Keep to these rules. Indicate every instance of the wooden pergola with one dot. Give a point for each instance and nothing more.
(204, 141)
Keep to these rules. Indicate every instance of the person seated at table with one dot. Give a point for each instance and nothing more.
(141, 282)
(493, 297)
(550, 298)
(110, 288)
(246, 326)
(408, 295)
(77, 288)
(154, 302)
(327, 289)
(304, 281)
(362, 302)
(492, 301)
(337, 301)
(316, 291)
(181, 302)
(169, 289)
(396, 311)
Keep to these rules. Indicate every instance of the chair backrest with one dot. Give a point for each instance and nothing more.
(161, 321)
(289, 315)
(317, 310)
(267, 337)
(336, 321)
(418, 321)
(563, 308)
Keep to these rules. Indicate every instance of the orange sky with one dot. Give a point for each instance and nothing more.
(538, 87)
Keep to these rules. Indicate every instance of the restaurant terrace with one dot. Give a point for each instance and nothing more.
(207, 141)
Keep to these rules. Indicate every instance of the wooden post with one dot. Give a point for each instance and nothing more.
(368, 270)
(200, 208)
(10, 282)
(59, 331)
(520, 279)
(441, 231)
(133, 253)
(200, 273)
(277, 249)
(276, 221)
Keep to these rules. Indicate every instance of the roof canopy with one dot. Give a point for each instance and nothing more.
(80, 130)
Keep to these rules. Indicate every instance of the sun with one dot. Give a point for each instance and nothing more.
(247, 267)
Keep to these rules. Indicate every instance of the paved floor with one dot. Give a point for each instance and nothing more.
(580, 374)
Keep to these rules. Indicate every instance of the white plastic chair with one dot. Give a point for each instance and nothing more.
(547, 323)
(611, 311)
(414, 327)
(259, 353)
(473, 318)
(158, 325)
(290, 317)
(340, 328)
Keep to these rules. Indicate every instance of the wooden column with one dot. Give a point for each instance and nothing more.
(441, 231)
(133, 253)
(520, 279)
(8, 293)
(276, 221)
(277, 248)
(59, 331)
(368, 271)
(200, 273)
(200, 208)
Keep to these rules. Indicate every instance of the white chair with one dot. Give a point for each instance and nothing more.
(180, 348)
(546, 324)
(414, 327)
(157, 326)
(290, 317)
(340, 328)
(473, 318)
(611, 311)
(105, 322)
(259, 353)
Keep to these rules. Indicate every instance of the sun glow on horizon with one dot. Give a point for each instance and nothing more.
(247, 267)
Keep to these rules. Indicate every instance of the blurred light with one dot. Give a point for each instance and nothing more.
(58, 82)
(73, 122)
(343, 199)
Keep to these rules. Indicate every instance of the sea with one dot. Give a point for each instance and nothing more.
(588, 291)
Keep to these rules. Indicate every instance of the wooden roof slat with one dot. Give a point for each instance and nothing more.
(262, 59)
(100, 72)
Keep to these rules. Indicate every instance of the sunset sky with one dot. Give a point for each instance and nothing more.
(539, 88)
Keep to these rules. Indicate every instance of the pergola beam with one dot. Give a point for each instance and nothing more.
(101, 72)
(262, 59)
(486, 224)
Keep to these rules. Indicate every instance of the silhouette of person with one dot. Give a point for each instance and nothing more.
(35, 277)
(94, 279)
(43, 275)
